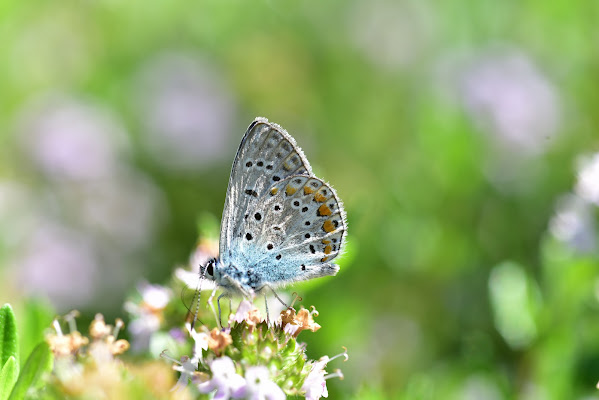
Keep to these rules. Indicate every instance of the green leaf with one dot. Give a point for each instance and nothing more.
(9, 341)
(37, 317)
(39, 362)
(8, 377)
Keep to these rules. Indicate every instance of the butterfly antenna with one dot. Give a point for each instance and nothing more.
(190, 316)
(198, 294)
(182, 297)
(211, 302)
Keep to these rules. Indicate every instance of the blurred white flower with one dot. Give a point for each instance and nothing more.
(574, 224)
(587, 186)
(69, 138)
(186, 109)
(141, 328)
(186, 366)
(260, 386)
(507, 96)
(155, 297)
(126, 208)
(227, 383)
(58, 263)
(147, 315)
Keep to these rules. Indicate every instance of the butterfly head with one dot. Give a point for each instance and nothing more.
(207, 271)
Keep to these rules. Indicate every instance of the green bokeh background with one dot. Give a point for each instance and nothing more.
(453, 285)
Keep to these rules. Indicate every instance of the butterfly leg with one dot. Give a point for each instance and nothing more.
(211, 301)
(219, 313)
(230, 310)
(267, 314)
(277, 296)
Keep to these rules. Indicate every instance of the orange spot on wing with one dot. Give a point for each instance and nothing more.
(328, 226)
(308, 190)
(324, 210)
(274, 191)
(324, 259)
(328, 249)
(325, 241)
(289, 190)
(320, 198)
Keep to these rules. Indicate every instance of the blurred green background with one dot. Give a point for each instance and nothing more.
(462, 137)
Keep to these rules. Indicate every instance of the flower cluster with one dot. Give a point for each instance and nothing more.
(103, 347)
(88, 367)
(252, 359)
(253, 356)
(574, 222)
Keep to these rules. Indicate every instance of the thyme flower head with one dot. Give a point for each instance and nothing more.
(252, 359)
(88, 366)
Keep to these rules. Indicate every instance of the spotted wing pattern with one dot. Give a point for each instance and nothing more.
(267, 154)
(294, 232)
(281, 223)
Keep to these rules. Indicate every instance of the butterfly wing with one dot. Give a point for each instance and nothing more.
(267, 154)
(293, 232)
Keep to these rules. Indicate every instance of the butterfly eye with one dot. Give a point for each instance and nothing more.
(209, 269)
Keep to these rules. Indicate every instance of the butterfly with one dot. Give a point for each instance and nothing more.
(280, 223)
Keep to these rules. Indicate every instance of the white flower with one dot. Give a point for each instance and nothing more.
(187, 367)
(243, 311)
(200, 340)
(70, 138)
(259, 385)
(53, 258)
(155, 296)
(573, 224)
(291, 329)
(587, 186)
(315, 384)
(227, 383)
(142, 328)
(146, 316)
(508, 96)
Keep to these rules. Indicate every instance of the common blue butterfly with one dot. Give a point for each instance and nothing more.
(280, 223)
